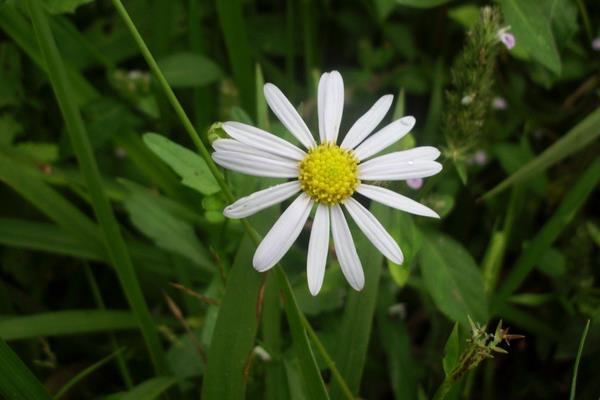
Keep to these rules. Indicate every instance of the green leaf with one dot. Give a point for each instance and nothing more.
(148, 390)
(355, 329)
(579, 137)
(453, 279)
(189, 70)
(451, 350)
(530, 24)
(235, 330)
(165, 229)
(63, 6)
(187, 164)
(16, 380)
(61, 323)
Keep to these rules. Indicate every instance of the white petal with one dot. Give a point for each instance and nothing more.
(283, 234)
(393, 171)
(262, 199)
(400, 159)
(395, 200)
(374, 231)
(232, 145)
(423, 153)
(345, 249)
(384, 137)
(262, 140)
(369, 121)
(257, 165)
(330, 103)
(318, 246)
(288, 115)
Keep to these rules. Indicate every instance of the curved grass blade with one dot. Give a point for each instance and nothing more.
(16, 380)
(577, 360)
(78, 134)
(576, 139)
(86, 372)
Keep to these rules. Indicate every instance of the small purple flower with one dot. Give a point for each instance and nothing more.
(415, 184)
(499, 103)
(508, 39)
(596, 44)
(480, 157)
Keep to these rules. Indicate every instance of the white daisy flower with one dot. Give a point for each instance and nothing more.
(327, 175)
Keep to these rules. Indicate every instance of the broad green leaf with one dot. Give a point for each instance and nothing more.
(355, 329)
(188, 165)
(148, 390)
(165, 229)
(61, 323)
(530, 24)
(63, 6)
(576, 139)
(453, 279)
(16, 380)
(189, 70)
(276, 386)
(451, 350)
(235, 330)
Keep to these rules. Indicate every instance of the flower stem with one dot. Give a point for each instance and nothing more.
(292, 312)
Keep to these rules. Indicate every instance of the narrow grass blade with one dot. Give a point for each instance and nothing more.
(355, 330)
(85, 373)
(577, 360)
(60, 323)
(313, 381)
(565, 213)
(238, 48)
(576, 139)
(275, 382)
(16, 380)
(79, 139)
(235, 330)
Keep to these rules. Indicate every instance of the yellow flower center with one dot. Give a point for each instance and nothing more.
(328, 174)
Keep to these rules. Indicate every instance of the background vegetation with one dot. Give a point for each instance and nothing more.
(121, 279)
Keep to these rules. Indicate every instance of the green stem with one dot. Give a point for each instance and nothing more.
(293, 312)
(114, 242)
(586, 20)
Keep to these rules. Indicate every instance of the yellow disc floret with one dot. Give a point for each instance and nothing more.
(328, 174)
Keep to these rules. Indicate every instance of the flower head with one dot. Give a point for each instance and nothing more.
(328, 175)
(507, 38)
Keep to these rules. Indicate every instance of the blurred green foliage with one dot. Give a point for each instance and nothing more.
(518, 239)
